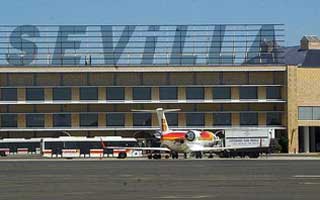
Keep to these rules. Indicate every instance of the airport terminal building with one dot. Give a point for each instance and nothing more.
(85, 80)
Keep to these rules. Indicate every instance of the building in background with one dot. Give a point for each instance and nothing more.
(85, 80)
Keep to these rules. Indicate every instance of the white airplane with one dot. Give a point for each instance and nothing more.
(188, 142)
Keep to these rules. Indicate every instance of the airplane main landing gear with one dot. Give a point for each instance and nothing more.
(198, 154)
(174, 155)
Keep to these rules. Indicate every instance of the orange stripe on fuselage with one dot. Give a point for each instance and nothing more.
(174, 136)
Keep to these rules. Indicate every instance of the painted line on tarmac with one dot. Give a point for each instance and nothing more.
(309, 183)
(306, 176)
(182, 197)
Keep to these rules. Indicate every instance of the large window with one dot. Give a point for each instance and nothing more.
(273, 93)
(274, 118)
(88, 119)
(305, 113)
(142, 119)
(142, 93)
(221, 93)
(172, 119)
(88, 93)
(195, 93)
(248, 119)
(35, 94)
(8, 120)
(115, 93)
(35, 120)
(222, 119)
(248, 93)
(9, 94)
(61, 120)
(115, 119)
(168, 93)
(316, 113)
(195, 119)
(309, 113)
(61, 94)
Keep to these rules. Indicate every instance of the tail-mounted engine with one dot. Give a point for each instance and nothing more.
(190, 136)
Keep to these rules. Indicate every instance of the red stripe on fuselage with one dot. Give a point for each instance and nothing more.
(206, 135)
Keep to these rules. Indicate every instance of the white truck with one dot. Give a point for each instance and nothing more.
(246, 142)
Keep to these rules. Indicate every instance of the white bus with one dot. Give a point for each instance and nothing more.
(94, 147)
(19, 146)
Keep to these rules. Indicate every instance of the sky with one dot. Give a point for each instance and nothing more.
(301, 17)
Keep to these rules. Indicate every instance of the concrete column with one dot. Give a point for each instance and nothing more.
(235, 93)
(21, 94)
(208, 93)
(48, 120)
(75, 94)
(306, 139)
(155, 93)
(181, 93)
(182, 120)
(102, 93)
(75, 120)
(208, 119)
(312, 139)
(128, 120)
(21, 121)
(235, 119)
(102, 120)
(48, 96)
(262, 119)
(128, 93)
(262, 93)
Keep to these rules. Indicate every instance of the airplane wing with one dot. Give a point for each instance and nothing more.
(142, 148)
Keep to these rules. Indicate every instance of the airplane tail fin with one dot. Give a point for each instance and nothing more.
(161, 117)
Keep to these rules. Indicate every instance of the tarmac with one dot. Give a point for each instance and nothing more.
(160, 179)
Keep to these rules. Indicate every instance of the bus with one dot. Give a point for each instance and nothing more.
(10, 146)
(92, 147)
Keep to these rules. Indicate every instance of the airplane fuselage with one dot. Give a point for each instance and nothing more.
(178, 141)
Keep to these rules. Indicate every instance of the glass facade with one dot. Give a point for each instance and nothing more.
(8, 120)
(274, 119)
(213, 44)
(34, 94)
(62, 120)
(221, 93)
(168, 93)
(141, 93)
(8, 94)
(222, 119)
(142, 119)
(273, 92)
(195, 93)
(35, 120)
(248, 119)
(248, 92)
(115, 93)
(88, 93)
(115, 119)
(60, 94)
(172, 119)
(89, 119)
(195, 119)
